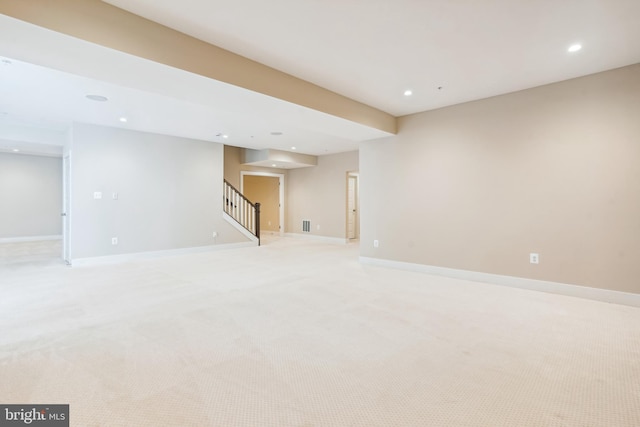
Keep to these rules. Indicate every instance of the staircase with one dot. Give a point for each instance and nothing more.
(239, 208)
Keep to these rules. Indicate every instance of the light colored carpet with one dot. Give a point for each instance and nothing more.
(298, 333)
(31, 253)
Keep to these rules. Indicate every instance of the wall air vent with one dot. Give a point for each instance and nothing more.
(306, 225)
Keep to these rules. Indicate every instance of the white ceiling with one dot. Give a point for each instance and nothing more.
(372, 50)
(368, 50)
(153, 97)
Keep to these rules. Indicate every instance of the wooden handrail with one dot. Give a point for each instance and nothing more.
(237, 206)
(239, 193)
(257, 206)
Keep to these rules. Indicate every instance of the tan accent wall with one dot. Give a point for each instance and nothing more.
(319, 194)
(266, 191)
(106, 25)
(479, 186)
(232, 168)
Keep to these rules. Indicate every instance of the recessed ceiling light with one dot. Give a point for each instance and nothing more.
(123, 119)
(225, 136)
(274, 165)
(293, 148)
(98, 98)
(276, 133)
(15, 150)
(574, 47)
(408, 92)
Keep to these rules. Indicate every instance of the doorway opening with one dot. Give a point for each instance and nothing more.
(267, 189)
(353, 206)
(66, 209)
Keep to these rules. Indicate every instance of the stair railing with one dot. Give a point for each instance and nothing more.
(241, 209)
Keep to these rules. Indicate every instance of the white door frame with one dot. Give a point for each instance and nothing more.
(280, 177)
(355, 176)
(66, 208)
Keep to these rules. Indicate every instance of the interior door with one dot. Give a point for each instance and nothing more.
(352, 206)
(66, 208)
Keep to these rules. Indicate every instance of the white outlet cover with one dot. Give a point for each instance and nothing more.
(376, 243)
(97, 195)
(534, 258)
(114, 240)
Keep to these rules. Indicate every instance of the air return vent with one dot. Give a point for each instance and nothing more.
(306, 225)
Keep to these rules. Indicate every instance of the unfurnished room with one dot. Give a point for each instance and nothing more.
(302, 213)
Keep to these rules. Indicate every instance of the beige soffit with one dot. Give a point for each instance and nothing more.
(109, 26)
(277, 159)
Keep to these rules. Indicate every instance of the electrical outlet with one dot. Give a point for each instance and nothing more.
(114, 241)
(214, 234)
(376, 243)
(97, 195)
(534, 258)
(318, 227)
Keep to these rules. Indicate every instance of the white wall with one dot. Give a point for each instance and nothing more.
(30, 196)
(169, 193)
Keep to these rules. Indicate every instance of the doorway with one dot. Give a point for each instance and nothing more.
(267, 189)
(353, 206)
(66, 208)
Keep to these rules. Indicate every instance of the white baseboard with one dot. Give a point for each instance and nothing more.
(597, 294)
(334, 240)
(113, 259)
(29, 239)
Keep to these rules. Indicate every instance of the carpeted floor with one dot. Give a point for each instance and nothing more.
(31, 254)
(298, 333)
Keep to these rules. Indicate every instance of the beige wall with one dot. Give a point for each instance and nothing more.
(478, 186)
(319, 194)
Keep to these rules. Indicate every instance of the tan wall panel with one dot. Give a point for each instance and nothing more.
(232, 169)
(478, 186)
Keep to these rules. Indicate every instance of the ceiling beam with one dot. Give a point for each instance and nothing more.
(106, 25)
